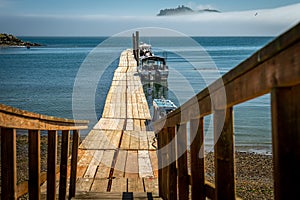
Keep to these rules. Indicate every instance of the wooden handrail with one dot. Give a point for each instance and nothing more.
(274, 69)
(12, 119)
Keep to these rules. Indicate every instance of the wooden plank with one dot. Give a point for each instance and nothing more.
(154, 162)
(134, 140)
(143, 139)
(135, 185)
(105, 165)
(152, 142)
(84, 184)
(51, 165)
(92, 167)
(183, 179)
(119, 185)
(8, 164)
(145, 168)
(131, 168)
(74, 158)
(197, 159)
(151, 185)
(65, 142)
(286, 141)
(99, 185)
(224, 154)
(120, 164)
(172, 171)
(125, 144)
(34, 189)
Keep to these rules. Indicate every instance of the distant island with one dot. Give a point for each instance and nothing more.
(10, 40)
(183, 10)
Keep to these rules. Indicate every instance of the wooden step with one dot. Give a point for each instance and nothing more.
(116, 195)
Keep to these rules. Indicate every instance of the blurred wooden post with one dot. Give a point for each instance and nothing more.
(159, 157)
(74, 159)
(172, 172)
(224, 154)
(183, 178)
(34, 164)
(197, 159)
(51, 169)
(64, 164)
(8, 164)
(286, 141)
(165, 167)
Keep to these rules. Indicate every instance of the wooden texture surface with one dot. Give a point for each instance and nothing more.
(119, 155)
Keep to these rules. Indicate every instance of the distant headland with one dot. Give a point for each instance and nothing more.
(183, 10)
(10, 40)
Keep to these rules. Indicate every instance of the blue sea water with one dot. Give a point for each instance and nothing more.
(41, 79)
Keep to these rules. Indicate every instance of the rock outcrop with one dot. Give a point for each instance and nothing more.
(10, 40)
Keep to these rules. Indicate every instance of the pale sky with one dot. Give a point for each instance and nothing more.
(109, 17)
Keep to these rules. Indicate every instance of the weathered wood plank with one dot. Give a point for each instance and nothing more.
(135, 185)
(132, 169)
(120, 164)
(119, 185)
(183, 180)
(286, 141)
(34, 189)
(74, 159)
(99, 185)
(65, 142)
(224, 154)
(145, 168)
(197, 159)
(8, 164)
(51, 165)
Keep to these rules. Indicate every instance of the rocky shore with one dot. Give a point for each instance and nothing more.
(10, 40)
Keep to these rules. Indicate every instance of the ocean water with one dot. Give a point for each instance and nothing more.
(42, 79)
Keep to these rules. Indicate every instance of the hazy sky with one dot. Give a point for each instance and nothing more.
(108, 17)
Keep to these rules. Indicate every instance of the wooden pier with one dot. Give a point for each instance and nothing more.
(119, 154)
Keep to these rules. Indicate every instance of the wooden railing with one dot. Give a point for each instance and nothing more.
(12, 119)
(274, 69)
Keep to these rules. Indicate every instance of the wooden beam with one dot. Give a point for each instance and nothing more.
(34, 164)
(286, 141)
(197, 159)
(8, 164)
(73, 177)
(183, 179)
(224, 154)
(51, 162)
(65, 142)
(172, 170)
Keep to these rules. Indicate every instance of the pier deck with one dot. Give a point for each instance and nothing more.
(119, 154)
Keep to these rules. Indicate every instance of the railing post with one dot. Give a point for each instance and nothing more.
(286, 141)
(172, 170)
(34, 164)
(73, 177)
(159, 157)
(164, 162)
(64, 164)
(224, 154)
(183, 178)
(197, 159)
(8, 164)
(51, 162)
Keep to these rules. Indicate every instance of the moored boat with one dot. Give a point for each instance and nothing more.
(162, 107)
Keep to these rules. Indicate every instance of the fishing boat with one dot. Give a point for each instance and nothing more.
(162, 107)
(153, 68)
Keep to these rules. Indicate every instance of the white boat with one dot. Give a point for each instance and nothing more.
(162, 107)
(153, 68)
(145, 50)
